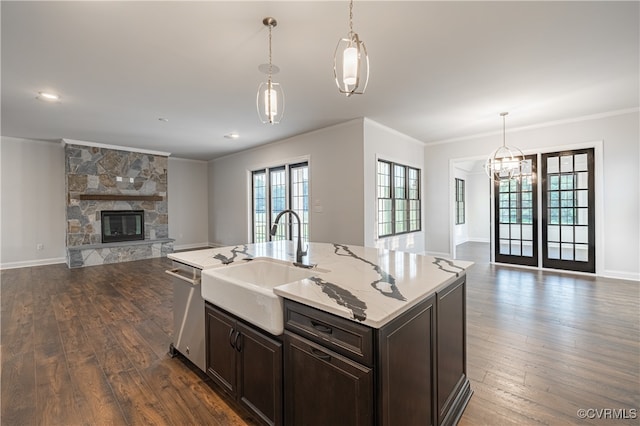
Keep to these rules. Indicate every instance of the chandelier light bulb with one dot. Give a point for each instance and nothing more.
(270, 103)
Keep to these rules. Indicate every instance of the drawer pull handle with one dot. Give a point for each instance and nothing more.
(231, 338)
(321, 327)
(320, 355)
(238, 342)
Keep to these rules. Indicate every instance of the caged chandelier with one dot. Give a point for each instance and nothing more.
(350, 62)
(270, 99)
(505, 162)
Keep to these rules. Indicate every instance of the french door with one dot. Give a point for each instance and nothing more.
(567, 216)
(516, 217)
(568, 210)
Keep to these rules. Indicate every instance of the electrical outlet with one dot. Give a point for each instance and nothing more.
(39, 246)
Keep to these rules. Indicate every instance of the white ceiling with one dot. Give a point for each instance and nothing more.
(440, 71)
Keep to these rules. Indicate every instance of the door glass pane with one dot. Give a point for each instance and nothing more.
(527, 232)
(582, 234)
(553, 233)
(583, 216)
(566, 163)
(581, 163)
(553, 165)
(582, 181)
(553, 250)
(527, 248)
(515, 248)
(515, 232)
(504, 247)
(582, 198)
(566, 252)
(504, 231)
(566, 234)
(582, 252)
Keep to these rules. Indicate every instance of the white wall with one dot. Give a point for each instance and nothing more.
(388, 144)
(620, 221)
(32, 207)
(335, 185)
(188, 197)
(478, 207)
(32, 202)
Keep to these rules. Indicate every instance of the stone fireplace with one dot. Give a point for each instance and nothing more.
(101, 180)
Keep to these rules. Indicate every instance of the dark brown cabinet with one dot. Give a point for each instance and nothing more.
(412, 371)
(246, 363)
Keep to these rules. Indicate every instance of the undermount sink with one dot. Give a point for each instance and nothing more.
(246, 289)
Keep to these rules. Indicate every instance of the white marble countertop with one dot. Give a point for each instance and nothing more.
(366, 285)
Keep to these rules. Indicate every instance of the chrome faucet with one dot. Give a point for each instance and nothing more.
(299, 252)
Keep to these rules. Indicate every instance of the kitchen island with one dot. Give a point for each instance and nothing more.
(374, 337)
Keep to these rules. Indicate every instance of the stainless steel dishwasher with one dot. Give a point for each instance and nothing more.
(188, 314)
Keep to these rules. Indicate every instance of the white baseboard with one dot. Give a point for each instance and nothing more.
(437, 254)
(479, 240)
(35, 262)
(190, 246)
(621, 275)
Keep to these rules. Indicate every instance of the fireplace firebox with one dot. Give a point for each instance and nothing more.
(122, 225)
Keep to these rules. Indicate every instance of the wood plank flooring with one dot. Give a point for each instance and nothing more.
(89, 347)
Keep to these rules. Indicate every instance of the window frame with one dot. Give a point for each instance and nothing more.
(403, 190)
(461, 216)
(284, 232)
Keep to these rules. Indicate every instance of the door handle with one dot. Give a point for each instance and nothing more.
(320, 355)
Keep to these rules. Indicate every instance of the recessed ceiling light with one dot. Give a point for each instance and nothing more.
(48, 96)
(164, 120)
(232, 135)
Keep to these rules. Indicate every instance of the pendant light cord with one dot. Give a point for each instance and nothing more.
(351, 17)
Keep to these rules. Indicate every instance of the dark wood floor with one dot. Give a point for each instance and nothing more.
(89, 346)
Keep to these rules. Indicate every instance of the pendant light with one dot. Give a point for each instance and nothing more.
(351, 62)
(270, 99)
(505, 162)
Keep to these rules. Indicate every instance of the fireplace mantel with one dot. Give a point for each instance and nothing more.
(119, 197)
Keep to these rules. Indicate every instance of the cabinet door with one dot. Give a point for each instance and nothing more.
(453, 385)
(260, 374)
(406, 367)
(323, 387)
(221, 352)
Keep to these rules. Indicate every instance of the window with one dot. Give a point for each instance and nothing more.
(398, 199)
(276, 189)
(459, 201)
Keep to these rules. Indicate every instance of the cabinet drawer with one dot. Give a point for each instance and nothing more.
(345, 337)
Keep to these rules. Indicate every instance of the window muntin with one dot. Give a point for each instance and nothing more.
(276, 189)
(398, 194)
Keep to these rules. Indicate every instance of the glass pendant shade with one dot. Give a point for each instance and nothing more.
(270, 98)
(505, 162)
(351, 65)
(270, 102)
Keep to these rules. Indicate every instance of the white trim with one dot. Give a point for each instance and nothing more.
(65, 141)
(31, 263)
